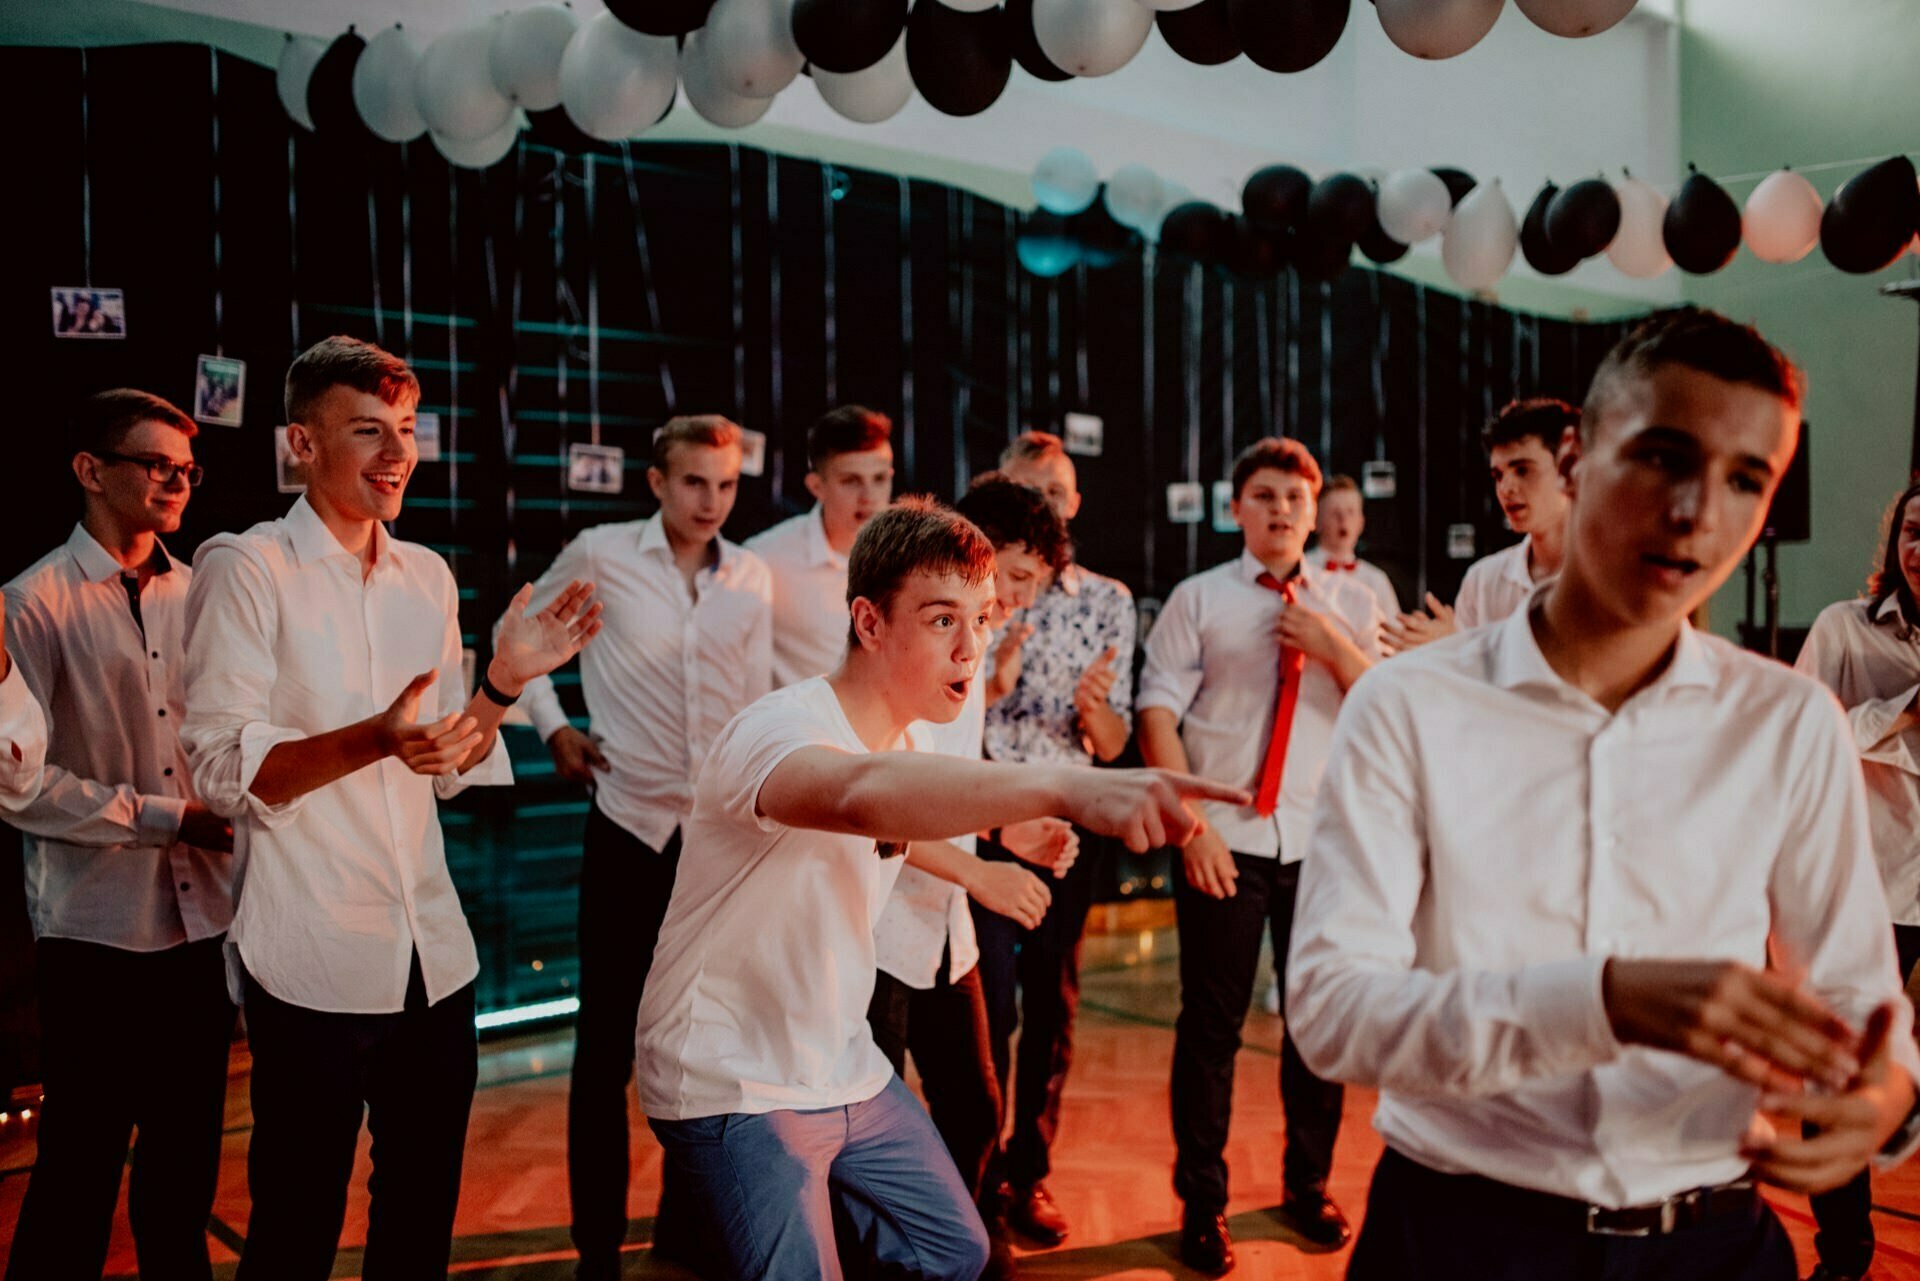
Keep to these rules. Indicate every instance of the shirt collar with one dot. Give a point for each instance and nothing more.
(819, 550)
(314, 542)
(1249, 568)
(1520, 567)
(1889, 609)
(97, 564)
(1516, 660)
(1069, 579)
(653, 538)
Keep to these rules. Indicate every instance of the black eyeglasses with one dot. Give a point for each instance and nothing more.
(160, 471)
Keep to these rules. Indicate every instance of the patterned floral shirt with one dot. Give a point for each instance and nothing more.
(1073, 621)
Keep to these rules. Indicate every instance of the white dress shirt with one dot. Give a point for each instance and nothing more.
(1369, 576)
(1488, 836)
(340, 886)
(1213, 662)
(1495, 586)
(1870, 659)
(103, 860)
(757, 1000)
(926, 917)
(23, 742)
(667, 672)
(809, 597)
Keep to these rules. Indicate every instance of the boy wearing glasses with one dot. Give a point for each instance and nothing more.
(129, 877)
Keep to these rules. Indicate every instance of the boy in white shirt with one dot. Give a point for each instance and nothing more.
(1246, 668)
(1336, 548)
(312, 643)
(1553, 857)
(757, 1067)
(1522, 442)
(850, 475)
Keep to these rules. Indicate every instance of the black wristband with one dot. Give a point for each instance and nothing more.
(493, 693)
(994, 836)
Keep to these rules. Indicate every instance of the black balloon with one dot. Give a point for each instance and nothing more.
(1253, 252)
(1459, 182)
(1318, 257)
(330, 90)
(1288, 35)
(1026, 45)
(1340, 206)
(1275, 198)
(1869, 221)
(1374, 242)
(847, 35)
(661, 17)
(555, 128)
(1584, 219)
(1201, 33)
(1197, 230)
(959, 61)
(1103, 241)
(1702, 226)
(1541, 253)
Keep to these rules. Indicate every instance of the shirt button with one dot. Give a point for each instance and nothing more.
(163, 711)
(156, 653)
(168, 771)
(186, 885)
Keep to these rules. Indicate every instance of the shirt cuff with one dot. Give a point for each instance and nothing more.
(159, 818)
(256, 740)
(22, 727)
(495, 770)
(1563, 1005)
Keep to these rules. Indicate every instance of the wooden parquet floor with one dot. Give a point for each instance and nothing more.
(1111, 1177)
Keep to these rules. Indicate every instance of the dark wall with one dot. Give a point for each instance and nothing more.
(564, 296)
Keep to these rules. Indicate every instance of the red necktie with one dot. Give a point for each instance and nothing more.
(1292, 663)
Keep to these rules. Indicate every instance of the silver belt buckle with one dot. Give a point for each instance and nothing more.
(1669, 1215)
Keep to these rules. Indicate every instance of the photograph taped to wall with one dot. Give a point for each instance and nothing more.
(426, 436)
(83, 312)
(753, 452)
(1186, 502)
(219, 391)
(1084, 434)
(1223, 520)
(596, 469)
(289, 476)
(1460, 542)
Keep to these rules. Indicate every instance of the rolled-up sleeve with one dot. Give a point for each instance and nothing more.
(23, 741)
(1173, 673)
(539, 697)
(231, 628)
(1357, 1006)
(496, 769)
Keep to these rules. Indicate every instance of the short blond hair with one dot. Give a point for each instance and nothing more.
(341, 361)
(1033, 447)
(714, 431)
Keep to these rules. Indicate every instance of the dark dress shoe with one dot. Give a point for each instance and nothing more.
(1205, 1244)
(1033, 1213)
(1314, 1216)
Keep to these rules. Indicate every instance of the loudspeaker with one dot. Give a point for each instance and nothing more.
(1790, 519)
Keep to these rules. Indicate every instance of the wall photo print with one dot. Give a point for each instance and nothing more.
(596, 469)
(83, 312)
(220, 391)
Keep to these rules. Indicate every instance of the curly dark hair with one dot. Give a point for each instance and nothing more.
(1008, 513)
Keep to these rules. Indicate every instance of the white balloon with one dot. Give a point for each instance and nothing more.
(1134, 197)
(1065, 181)
(298, 57)
(455, 91)
(1639, 249)
(1413, 205)
(525, 57)
(710, 99)
(871, 94)
(1478, 244)
(383, 82)
(750, 48)
(971, 6)
(1782, 219)
(1169, 6)
(1437, 28)
(1091, 37)
(480, 153)
(615, 81)
(1575, 17)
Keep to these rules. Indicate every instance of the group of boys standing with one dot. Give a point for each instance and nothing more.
(1484, 867)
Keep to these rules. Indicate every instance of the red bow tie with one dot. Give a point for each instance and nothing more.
(1338, 566)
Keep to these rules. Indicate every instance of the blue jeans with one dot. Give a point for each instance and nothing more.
(768, 1190)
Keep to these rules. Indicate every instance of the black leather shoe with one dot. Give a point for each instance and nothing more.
(1205, 1244)
(1033, 1213)
(1314, 1216)
(1825, 1273)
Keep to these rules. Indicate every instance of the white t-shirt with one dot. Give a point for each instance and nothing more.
(757, 1000)
(926, 917)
